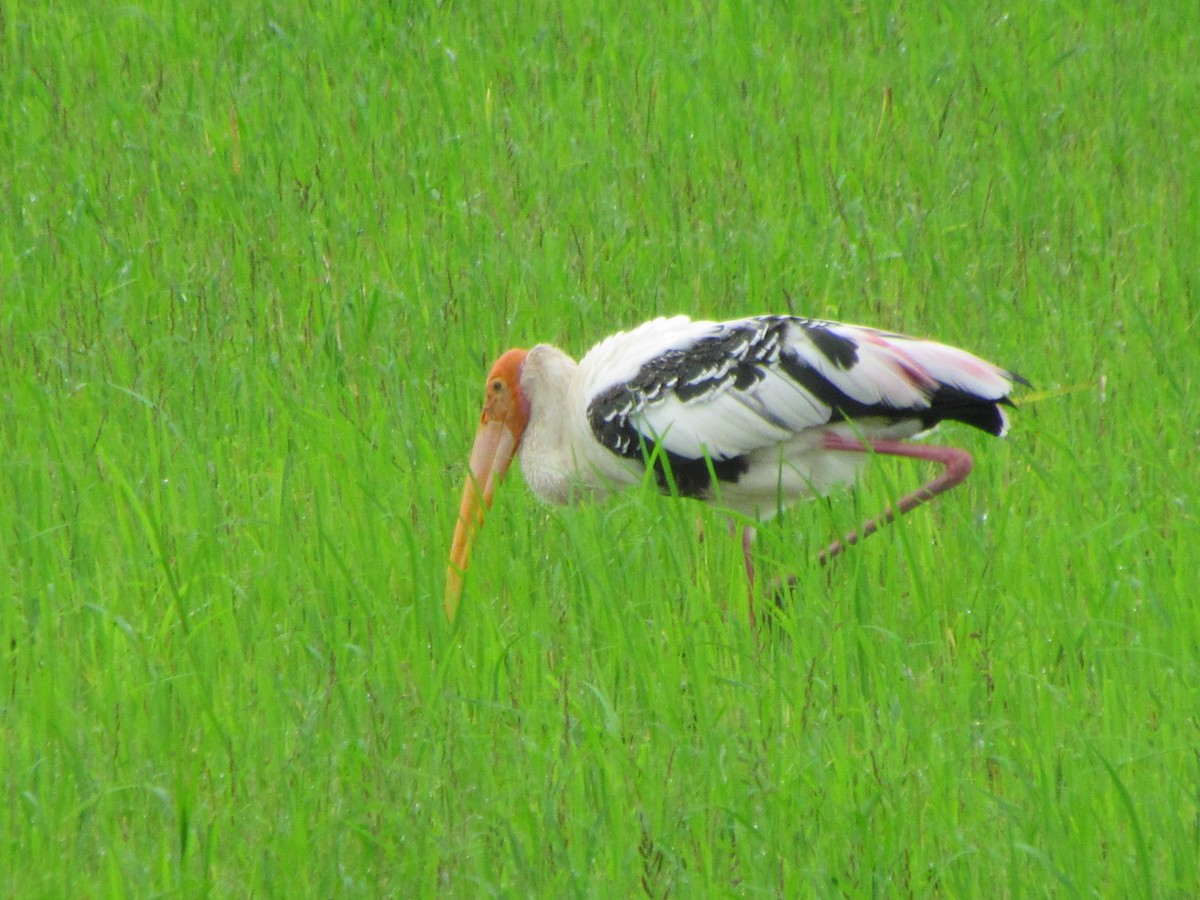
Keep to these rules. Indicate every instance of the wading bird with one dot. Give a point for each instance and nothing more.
(751, 415)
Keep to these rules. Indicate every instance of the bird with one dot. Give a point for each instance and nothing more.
(751, 415)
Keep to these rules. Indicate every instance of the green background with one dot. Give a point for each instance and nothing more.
(254, 262)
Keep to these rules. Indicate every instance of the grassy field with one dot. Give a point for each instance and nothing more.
(254, 262)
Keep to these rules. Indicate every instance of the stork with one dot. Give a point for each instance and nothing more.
(751, 415)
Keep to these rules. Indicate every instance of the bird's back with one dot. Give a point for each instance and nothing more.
(711, 399)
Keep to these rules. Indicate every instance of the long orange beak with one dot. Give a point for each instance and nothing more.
(501, 427)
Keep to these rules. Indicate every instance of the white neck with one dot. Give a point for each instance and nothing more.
(550, 451)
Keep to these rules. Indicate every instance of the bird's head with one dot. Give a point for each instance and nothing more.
(501, 426)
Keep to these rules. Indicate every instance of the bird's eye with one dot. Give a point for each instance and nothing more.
(497, 386)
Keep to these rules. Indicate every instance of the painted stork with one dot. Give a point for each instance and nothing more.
(751, 415)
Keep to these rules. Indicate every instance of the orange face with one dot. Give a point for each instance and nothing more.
(501, 425)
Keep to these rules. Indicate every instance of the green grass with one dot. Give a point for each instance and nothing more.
(254, 262)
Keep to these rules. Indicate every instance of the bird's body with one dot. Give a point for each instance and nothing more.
(749, 401)
(752, 414)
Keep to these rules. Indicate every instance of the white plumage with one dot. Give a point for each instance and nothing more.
(776, 422)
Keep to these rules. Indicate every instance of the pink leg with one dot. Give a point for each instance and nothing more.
(957, 466)
(747, 543)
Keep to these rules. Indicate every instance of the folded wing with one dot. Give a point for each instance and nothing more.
(712, 393)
